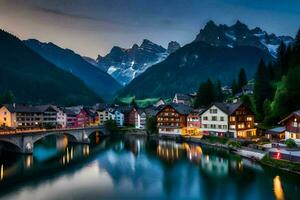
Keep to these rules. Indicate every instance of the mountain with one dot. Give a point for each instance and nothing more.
(173, 46)
(126, 64)
(90, 60)
(32, 79)
(240, 35)
(97, 80)
(218, 52)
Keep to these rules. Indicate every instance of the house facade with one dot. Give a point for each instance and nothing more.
(20, 116)
(214, 121)
(292, 126)
(140, 119)
(119, 117)
(172, 119)
(228, 119)
(105, 115)
(194, 123)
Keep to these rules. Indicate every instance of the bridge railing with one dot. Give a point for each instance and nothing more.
(40, 130)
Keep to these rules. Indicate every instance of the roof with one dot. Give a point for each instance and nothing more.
(13, 108)
(180, 108)
(227, 108)
(276, 130)
(296, 113)
(43, 108)
(183, 97)
(68, 112)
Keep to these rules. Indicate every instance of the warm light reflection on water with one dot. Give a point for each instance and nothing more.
(68, 156)
(86, 150)
(28, 161)
(278, 191)
(2, 172)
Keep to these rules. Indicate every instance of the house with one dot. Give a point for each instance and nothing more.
(49, 113)
(292, 126)
(70, 118)
(61, 118)
(140, 119)
(228, 119)
(93, 117)
(277, 133)
(119, 117)
(194, 123)
(81, 116)
(129, 115)
(20, 116)
(106, 114)
(182, 99)
(172, 118)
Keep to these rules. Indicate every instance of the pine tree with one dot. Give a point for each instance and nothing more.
(205, 95)
(262, 89)
(242, 81)
(219, 92)
(234, 87)
(246, 100)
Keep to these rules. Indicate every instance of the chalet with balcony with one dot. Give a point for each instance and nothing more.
(172, 118)
(228, 119)
(292, 126)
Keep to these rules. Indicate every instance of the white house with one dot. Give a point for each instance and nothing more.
(61, 118)
(214, 121)
(106, 114)
(140, 119)
(119, 117)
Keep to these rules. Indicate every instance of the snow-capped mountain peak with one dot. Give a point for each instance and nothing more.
(239, 34)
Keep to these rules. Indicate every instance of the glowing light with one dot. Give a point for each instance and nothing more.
(1, 173)
(278, 191)
(28, 161)
(278, 155)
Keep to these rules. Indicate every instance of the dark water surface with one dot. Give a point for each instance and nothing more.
(136, 168)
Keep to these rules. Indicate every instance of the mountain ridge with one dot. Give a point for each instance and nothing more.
(98, 81)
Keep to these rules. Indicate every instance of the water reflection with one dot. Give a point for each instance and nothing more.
(1, 172)
(131, 168)
(86, 150)
(28, 161)
(278, 191)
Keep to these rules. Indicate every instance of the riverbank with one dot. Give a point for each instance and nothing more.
(258, 156)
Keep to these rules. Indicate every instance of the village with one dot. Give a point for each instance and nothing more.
(226, 125)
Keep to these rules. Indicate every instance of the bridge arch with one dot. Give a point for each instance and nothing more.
(70, 137)
(11, 144)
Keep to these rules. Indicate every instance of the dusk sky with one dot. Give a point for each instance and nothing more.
(92, 27)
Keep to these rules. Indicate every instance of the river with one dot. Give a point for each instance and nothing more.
(136, 168)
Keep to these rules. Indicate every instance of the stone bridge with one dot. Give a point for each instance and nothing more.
(24, 141)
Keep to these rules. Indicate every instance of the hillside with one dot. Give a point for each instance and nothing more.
(183, 70)
(32, 79)
(97, 80)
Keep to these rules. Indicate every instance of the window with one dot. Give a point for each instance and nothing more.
(232, 126)
(249, 119)
(213, 111)
(5, 113)
(221, 118)
(214, 118)
(4, 118)
(205, 118)
(232, 118)
(241, 126)
(224, 126)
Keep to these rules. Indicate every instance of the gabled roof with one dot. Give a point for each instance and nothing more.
(19, 108)
(180, 108)
(227, 108)
(43, 108)
(296, 113)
